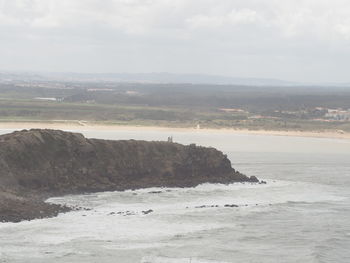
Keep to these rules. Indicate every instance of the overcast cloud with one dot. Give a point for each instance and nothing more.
(298, 40)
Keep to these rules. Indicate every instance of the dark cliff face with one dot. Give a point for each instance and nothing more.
(52, 162)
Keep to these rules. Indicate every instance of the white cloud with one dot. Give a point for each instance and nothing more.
(235, 17)
(242, 16)
(343, 29)
(172, 32)
(289, 18)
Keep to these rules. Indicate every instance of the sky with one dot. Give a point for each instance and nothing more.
(295, 40)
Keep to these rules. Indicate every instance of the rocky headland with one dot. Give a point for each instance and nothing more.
(39, 163)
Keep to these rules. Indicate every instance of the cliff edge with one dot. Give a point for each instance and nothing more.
(38, 164)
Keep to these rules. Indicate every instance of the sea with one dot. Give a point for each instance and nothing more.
(302, 213)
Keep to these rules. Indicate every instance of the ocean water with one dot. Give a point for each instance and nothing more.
(302, 214)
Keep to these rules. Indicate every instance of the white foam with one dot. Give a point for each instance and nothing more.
(156, 259)
(173, 211)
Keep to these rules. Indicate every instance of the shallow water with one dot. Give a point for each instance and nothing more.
(301, 214)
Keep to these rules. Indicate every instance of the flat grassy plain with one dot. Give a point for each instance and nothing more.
(170, 105)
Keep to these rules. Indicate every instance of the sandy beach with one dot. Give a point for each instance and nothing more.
(82, 125)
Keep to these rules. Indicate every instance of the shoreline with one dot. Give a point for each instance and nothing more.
(82, 125)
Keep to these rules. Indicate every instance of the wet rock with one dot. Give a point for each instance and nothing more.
(228, 205)
(206, 206)
(201, 206)
(147, 212)
(253, 179)
(129, 213)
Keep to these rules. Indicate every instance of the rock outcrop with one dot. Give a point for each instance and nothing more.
(37, 164)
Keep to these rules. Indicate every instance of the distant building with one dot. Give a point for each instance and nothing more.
(132, 93)
(48, 99)
(92, 90)
(338, 114)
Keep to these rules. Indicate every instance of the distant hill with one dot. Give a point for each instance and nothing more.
(158, 78)
(162, 77)
(177, 78)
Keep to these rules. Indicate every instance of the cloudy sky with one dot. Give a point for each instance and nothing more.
(298, 40)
